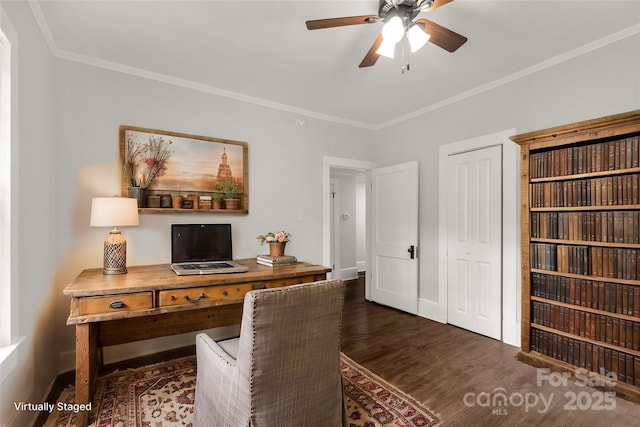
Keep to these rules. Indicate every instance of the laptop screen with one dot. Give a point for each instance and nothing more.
(200, 242)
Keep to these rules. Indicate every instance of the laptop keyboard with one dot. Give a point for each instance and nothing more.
(207, 266)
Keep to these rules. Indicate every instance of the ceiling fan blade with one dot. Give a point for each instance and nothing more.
(441, 36)
(340, 22)
(371, 57)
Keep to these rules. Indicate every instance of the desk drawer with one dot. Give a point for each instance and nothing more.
(114, 303)
(278, 283)
(206, 294)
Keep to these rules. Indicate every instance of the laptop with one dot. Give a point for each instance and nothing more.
(202, 249)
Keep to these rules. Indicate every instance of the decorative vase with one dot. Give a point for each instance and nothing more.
(138, 194)
(276, 249)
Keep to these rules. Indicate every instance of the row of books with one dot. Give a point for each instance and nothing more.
(592, 357)
(276, 261)
(603, 156)
(605, 191)
(574, 259)
(611, 226)
(611, 263)
(604, 296)
(594, 326)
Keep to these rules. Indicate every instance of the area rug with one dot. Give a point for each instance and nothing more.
(162, 395)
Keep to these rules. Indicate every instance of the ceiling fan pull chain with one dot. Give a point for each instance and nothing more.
(406, 67)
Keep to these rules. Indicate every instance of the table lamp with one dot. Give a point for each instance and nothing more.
(114, 212)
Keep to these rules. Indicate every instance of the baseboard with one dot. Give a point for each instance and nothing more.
(430, 310)
(66, 361)
(346, 273)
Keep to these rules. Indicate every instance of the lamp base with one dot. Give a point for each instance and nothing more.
(115, 254)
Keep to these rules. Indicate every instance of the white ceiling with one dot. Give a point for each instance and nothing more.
(261, 51)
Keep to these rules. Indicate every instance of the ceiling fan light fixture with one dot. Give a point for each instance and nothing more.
(393, 30)
(417, 37)
(387, 48)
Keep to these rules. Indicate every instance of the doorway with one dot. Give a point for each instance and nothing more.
(345, 216)
(348, 223)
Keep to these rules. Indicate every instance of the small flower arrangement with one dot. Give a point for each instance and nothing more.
(277, 237)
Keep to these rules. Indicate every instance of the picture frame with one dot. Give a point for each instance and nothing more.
(183, 167)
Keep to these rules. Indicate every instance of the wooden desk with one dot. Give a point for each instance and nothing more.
(152, 301)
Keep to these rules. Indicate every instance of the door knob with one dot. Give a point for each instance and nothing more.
(412, 251)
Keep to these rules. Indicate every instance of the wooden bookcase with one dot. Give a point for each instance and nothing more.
(580, 216)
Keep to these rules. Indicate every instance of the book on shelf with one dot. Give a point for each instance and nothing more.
(588, 355)
(274, 261)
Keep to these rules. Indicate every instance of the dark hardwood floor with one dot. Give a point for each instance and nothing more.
(443, 367)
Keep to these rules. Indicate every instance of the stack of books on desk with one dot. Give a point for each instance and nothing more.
(276, 261)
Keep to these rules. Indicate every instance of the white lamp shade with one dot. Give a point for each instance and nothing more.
(393, 30)
(417, 37)
(387, 48)
(114, 212)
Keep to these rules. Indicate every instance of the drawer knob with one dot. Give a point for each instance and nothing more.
(117, 304)
(225, 293)
(194, 300)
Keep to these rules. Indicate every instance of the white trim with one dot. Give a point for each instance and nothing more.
(114, 66)
(346, 273)
(9, 358)
(9, 191)
(511, 282)
(430, 309)
(6, 60)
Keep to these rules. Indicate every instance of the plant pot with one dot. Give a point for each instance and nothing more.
(176, 201)
(138, 194)
(231, 204)
(217, 204)
(276, 249)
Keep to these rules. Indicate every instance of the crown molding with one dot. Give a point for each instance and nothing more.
(57, 52)
(551, 62)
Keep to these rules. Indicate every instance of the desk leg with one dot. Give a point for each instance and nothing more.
(87, 363)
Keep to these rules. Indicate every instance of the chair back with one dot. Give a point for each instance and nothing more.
(289, 352)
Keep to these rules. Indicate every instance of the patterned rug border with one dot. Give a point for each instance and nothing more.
(181, 363)
(435, 415)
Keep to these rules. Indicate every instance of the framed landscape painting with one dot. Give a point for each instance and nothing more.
(165, 162)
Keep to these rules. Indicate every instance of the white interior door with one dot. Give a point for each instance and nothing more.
(474, 205)
(394, 206)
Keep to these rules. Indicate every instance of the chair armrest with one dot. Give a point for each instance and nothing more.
(221, 395)
(207, 343)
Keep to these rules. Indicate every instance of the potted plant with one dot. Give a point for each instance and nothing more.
(231, 196)
(277, 241)
(217, 199)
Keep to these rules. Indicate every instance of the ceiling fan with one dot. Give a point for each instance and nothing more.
(398, 17)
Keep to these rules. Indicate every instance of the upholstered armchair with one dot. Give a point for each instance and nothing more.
(283, 370)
